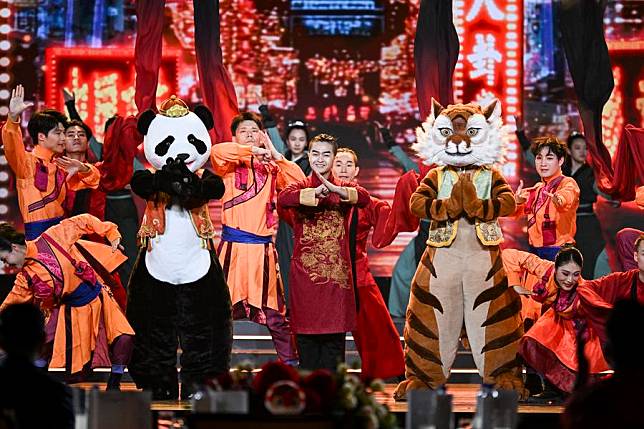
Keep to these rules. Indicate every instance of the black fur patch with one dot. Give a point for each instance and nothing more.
(198, 144)
(163, 147)
(146, 118)
(205, 115)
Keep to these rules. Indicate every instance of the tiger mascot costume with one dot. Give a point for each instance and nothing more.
(460, 280)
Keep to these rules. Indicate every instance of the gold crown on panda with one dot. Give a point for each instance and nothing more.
(174, 107)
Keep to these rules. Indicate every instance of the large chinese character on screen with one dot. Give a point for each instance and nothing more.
(490, 62)
(103, 81)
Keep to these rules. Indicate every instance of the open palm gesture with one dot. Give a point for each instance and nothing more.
(17, 104)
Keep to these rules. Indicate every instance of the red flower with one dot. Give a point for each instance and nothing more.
(320, 386)
(272, 372)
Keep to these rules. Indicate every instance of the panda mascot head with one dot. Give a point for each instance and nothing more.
(176, 133)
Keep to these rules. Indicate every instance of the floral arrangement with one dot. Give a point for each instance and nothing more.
(281, 389)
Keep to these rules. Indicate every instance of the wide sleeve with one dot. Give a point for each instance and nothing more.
(379, 217)
(70, 230)
(567, 195)
(225, 156)
(500, 203)
(289, 172)
(358, 195)
(297, 194)
(20, 293)
(88, 180)
(14, 150)
(119, 151)
(517, 262)
(400, 218)
(612, 287)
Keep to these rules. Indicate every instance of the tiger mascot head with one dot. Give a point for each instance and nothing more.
(462, 134)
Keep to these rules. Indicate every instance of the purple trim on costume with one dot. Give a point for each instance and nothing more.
(260, 176)
(53, 196)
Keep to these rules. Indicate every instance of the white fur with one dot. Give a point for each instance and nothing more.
(163, 126)
(488, 147)
(177, 256)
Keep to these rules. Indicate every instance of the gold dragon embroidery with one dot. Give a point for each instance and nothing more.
(321, 253)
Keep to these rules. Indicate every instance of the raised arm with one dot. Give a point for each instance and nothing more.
(517, 262)
(70, 230)
(85, 179)
(566, 196)
(14, 148)
(295, 195)
(379, 216)
(225, 156)
(289, 172)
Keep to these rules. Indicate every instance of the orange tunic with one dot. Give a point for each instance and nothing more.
(550, 345)
(85, 320)
(563, 214)
(249, 206)
(37, 205)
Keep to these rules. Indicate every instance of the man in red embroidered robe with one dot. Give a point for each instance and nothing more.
(322, 283)
(376, 336)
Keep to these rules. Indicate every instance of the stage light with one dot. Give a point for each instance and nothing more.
(4, 176)
(3, 160)
(4, 77)
(4, 94)
(3, 209)
(5, 12)
(5, 61)
(4, 192)
(5, 29)
(4, 110)
(5, 45)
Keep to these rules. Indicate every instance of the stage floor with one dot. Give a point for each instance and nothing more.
(464, 400)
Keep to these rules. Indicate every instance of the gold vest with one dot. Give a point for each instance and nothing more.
(443, 233)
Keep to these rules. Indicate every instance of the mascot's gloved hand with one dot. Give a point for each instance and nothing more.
(181, 182)
(472, 204)
(454, 204)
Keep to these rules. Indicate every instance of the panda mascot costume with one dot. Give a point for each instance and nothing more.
(178, 296)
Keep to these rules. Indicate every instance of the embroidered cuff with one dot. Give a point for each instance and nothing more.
(352, 196)
(307, 197)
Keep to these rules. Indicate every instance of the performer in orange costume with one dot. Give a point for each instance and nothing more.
(253, 172)
(376, 337)
(40, 174)
(551, 209)
(575, 310)
(551, 204)
(85, 326)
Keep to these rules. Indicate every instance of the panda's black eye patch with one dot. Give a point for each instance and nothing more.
(201, 146)
(163, 147)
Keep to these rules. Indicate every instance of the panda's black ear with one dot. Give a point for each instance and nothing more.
(205, 115)
(145, 120)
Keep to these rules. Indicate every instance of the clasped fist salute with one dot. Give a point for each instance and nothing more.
(17, 104)
(330, 188)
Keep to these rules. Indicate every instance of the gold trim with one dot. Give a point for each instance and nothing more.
(307, 197)
(352, 195)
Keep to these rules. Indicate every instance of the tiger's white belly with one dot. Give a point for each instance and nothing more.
(177, 256)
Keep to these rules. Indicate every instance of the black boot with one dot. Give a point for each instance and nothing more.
(114, 382)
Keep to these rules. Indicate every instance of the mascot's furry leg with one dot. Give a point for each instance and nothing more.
(462, 282)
